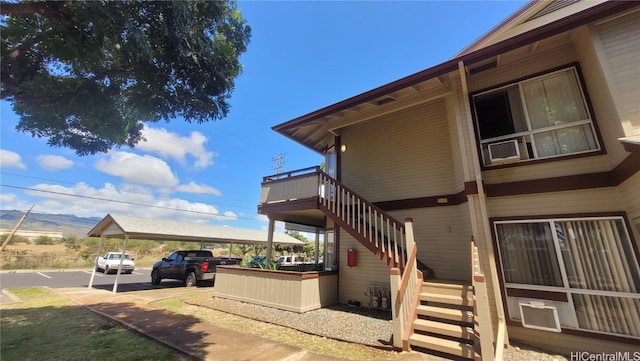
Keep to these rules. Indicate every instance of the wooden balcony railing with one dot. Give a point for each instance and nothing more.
(389, 239)
(375, 229)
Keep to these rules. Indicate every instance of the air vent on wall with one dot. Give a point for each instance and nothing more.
(483, 67)
(385, 100)
(540, 315)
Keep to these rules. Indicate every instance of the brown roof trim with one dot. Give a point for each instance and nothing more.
(511, 18)
(584, 17)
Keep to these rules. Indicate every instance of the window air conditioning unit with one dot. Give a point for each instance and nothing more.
(539, 315)
(504, 152)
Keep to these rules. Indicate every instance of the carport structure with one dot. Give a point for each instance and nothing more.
(126, 227)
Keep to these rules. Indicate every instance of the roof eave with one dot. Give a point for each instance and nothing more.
(581, 18)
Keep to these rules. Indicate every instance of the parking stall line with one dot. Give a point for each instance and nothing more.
(43, 275)
(97, 274)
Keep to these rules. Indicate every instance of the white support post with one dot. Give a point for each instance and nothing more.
(396, 310)
(95, 262)
(124, 250)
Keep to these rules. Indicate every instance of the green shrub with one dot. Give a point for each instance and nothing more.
(43, 240)
(270, 265)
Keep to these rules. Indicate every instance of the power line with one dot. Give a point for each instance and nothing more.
(58, 181)
(124, 202)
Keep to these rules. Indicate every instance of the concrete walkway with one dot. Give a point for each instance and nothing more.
(200, 339)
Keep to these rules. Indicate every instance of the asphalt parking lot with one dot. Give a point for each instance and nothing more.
(139, 280)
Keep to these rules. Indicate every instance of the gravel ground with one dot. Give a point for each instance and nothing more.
(351, 324)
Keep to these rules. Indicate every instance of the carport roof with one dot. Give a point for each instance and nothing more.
(113, 225)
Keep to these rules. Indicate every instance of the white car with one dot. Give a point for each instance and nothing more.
(111, 260)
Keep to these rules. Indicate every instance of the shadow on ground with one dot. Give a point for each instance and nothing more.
(67, 332)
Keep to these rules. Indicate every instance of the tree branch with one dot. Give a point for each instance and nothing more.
(31, 7)
(46, 8)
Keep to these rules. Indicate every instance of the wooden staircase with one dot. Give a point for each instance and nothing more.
(444, 316)
(445, 321)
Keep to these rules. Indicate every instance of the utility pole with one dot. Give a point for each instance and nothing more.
(279, 159)
(6, 241)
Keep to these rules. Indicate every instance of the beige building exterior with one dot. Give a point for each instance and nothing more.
(527, 142)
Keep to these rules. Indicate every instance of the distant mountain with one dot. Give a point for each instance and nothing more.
(67, 224)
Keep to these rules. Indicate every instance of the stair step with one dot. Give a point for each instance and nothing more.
(452, 288)
(441, 345)
(457, 300)
(445, 329)
(445, 313)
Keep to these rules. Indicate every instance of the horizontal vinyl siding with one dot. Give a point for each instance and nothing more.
(456, 149)
(536, 63)
(566, 344)
(630, 192)
(443, 236)
(602, 101)
(399, 156)
(621, 42)
(556, 203)
(558, 168)
(355, 281)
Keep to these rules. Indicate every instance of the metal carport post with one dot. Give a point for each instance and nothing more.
(95, 263)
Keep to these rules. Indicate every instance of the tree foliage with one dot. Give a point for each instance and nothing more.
(88, 74)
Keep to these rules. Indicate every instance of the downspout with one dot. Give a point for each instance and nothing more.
(502, 336)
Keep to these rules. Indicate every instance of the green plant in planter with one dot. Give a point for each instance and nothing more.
(270, 265)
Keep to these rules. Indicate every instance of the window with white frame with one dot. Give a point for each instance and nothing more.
(541, 117)
(591, 260)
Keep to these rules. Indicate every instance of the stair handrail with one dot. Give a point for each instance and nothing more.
(405, 290)
(390, 236)
(385, 233)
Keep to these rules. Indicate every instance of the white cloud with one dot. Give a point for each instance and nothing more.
(9, 201)
(134, 200)
(54, 162)
(11, 159)
(198, 189)
(138, 169)
(172, 145)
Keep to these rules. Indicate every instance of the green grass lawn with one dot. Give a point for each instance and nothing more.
(48, 326)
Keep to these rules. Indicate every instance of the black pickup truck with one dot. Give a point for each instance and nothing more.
(192, 266)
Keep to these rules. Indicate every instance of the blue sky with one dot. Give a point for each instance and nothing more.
(302, 56)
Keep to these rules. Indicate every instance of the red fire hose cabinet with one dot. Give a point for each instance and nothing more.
(351, 257)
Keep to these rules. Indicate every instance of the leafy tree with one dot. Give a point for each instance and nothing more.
(87, 74)
(307, 247)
